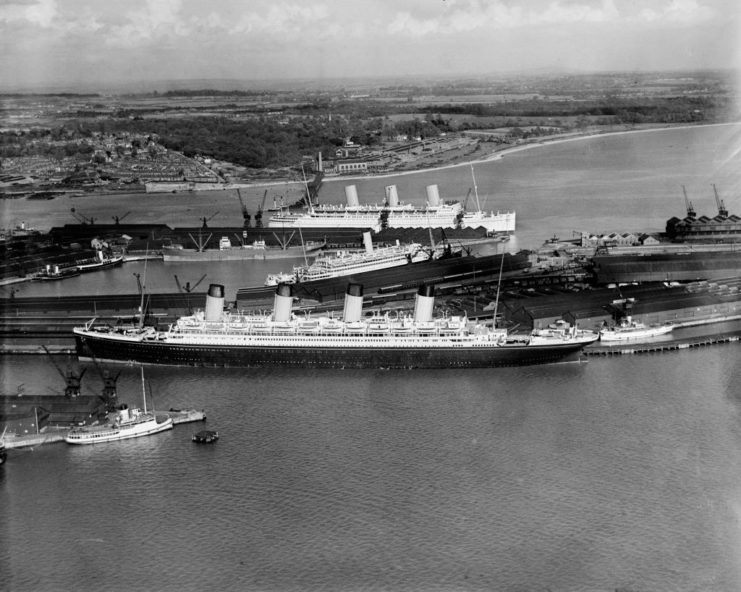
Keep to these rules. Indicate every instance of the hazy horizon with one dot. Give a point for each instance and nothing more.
(323, 84)
(83, 44)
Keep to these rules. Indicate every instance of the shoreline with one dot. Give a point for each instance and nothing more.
(500, 154)
(492, 156)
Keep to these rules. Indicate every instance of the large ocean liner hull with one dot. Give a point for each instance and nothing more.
(216, 337)
(322, 357)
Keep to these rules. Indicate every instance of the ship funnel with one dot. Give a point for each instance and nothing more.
(353, 303)
(214, 302)
(283, 303)
(351, 194)
(424, 303)
(392, 197)
(367, 242)
(433, 196)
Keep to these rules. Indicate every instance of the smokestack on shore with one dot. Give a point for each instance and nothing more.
(353, 303)
(283, 303)
(424, 303)
(392, 197)
(214, 302)
(351, 195)
(433, 196)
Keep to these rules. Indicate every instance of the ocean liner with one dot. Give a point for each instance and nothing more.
(344, 262)
(393, 214)
(213, 337)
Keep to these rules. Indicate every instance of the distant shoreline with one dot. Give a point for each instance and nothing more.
(492, 156)
(499, 154)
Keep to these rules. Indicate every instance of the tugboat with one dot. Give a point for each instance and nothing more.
(205, 437)
(630, 330)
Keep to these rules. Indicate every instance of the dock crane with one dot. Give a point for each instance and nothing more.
(187, 290)
(117, 219)
(72, 376)
(722, 211)
(110, 391)
(688, 204)
(205, 220)
(82, 219)
(245, 214)
(258, 216)
(465, 201)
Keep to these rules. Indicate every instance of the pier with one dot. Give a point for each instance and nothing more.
(647, 347)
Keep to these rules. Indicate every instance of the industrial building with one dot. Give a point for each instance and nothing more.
(666, 267)
(696, 302)
(723, 227)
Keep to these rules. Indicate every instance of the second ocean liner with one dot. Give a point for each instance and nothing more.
(435, 214)
(215, 337)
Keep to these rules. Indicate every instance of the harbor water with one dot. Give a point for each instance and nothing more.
(619, 472)
(616, 473)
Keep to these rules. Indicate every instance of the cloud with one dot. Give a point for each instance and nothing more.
(678, 11)
(156, 19)
(472, 15)
(42, 13)
(283, 18)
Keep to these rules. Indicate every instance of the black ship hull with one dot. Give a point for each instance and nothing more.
(153, 352)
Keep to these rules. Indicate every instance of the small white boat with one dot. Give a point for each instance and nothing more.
(122, 424)
(630, 330)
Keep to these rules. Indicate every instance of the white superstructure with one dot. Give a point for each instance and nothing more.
(216, 337)
(434, 214)
(347, 262)
(121, 424)
(630, 330)
(215, 326)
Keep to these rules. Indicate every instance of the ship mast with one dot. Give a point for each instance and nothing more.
(142, 287)
(303, 246)
(144, 390)
(499, 285)
(475, 190)
(306, 186)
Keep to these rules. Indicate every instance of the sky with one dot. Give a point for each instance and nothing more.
(90, 43)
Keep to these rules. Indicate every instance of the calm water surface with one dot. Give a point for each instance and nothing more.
(616, 472)
(619, 472)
